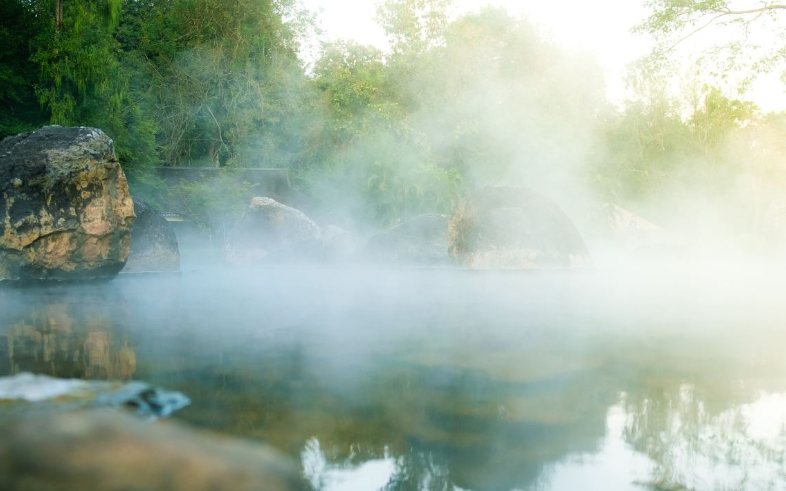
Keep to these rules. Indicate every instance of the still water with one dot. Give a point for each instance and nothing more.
(445, 380)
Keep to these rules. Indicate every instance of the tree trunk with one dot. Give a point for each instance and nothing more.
(58, 15)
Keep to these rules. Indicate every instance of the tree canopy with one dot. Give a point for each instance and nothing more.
(458, 101)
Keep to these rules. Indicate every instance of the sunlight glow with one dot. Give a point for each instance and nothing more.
(602, 29)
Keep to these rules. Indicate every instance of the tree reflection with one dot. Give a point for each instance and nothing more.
(712, 425)
(487, 394)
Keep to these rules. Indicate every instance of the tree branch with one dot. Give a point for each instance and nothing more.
(726, 12)
(757, 10)
(694, 32)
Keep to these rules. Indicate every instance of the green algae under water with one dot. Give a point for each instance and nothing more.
(445, 380)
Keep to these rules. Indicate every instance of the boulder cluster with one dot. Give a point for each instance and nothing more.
(67, 214)
(497, 228)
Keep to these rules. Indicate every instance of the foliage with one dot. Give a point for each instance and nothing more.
(366, 147)
(225, 81)
(19, 109)
(212, 201)
(458, 102)
(745, 38)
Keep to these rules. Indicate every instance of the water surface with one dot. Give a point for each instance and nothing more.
(446, 380)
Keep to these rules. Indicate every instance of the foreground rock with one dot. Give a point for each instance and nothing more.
(154, 246)
(269, 227)
(66, 211)
(422, 240)
(514, 228)
(105, 450)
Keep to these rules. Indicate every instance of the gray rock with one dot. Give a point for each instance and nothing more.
(154, 247)
(335, 246)
(339, 244)
(503, 227)
(268, 227)
(26, 391)
(66, 212)
(422, 240)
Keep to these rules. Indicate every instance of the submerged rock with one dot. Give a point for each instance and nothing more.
(154, 247)
(503, 227)
(109, 451)
(66, 211)
(40, 391)
(268, 227)
(422, 240)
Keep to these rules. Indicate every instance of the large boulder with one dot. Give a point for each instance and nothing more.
(153, 242)
(268, 227)
(422, 240)
(502, 227)
(66, 211)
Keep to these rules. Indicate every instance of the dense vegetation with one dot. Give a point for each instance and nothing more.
(458, 102)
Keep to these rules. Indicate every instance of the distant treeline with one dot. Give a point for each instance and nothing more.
(459, 101)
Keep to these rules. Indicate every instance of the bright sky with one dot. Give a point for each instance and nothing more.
(601, 27)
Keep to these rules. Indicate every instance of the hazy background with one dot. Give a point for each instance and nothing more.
(656, 130)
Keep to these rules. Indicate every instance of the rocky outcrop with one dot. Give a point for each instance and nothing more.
(504, 227)
(66, 211)
(422, 240)
(269, 227)
(154, 246)
(106, 450)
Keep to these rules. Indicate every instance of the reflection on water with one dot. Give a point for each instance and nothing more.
(431, 380)
(61, 337)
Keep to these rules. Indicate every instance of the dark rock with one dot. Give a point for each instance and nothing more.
(106, 450)
(504, 227)
(339, 244)
(268, 227)
(154, 247)
(422, 240)
(66, 210)
(309, 251)
(335, 246)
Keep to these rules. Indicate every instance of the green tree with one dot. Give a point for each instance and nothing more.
(747, 39)
(226, 81)
(366, 155)
(61, 64)
(20, 24)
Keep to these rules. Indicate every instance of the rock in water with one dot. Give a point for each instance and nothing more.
(339, 244)
(267, 227)
(503, 227)
(66, 210)
(44, 392)
(422, 240)
(154, 246)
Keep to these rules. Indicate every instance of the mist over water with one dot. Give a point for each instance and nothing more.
(443, 379)
(660, 368)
